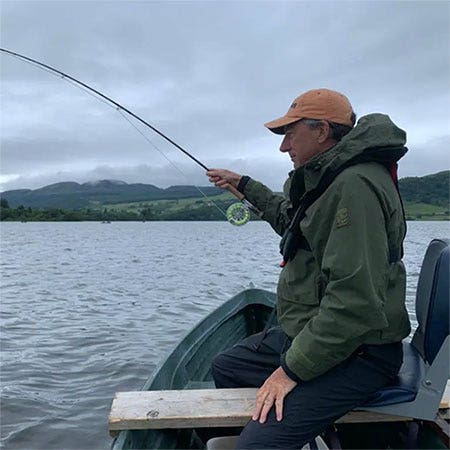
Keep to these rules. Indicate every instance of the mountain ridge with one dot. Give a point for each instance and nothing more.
(429, 189)
(70, 194)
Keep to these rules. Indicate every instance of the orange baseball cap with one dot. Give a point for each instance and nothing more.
(322, 104)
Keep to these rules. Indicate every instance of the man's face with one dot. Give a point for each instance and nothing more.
(300, 141)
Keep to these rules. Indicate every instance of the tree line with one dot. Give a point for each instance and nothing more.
(430, 189)
(28, 214)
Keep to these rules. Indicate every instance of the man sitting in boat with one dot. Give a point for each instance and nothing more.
(341, 291)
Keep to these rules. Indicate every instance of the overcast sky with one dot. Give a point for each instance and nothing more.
(209, 74)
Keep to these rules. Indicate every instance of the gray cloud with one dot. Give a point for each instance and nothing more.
(428, 157)
(209, 74)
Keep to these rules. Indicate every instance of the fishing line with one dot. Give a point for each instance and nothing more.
(170, 161)
(81, 88)
(236, 214)
(103, 96)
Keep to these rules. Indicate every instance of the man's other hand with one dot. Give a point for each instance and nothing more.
(273, 391)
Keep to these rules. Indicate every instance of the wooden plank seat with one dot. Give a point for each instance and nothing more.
(207, 408)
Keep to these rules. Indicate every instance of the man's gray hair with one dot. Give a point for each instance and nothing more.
(338, 131)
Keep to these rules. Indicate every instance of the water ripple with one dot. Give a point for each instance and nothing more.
(88, 310)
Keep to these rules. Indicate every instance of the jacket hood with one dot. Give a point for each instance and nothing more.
(374, 138)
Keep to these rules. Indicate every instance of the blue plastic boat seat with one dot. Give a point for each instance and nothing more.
(407, 383)
(418, 389)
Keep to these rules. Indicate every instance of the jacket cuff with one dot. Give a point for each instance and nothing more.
(242, 183)
(256, 193)
(293, 376)
(302, 366)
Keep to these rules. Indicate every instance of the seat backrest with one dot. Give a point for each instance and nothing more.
(433, 300)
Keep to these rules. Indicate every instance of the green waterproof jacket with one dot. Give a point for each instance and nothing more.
(346, 287)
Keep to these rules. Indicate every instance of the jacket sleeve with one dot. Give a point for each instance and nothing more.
(352, 252)
(276, 208)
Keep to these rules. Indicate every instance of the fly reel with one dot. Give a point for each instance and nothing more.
(238, 214)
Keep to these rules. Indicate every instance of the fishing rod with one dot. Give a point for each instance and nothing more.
(235, 214)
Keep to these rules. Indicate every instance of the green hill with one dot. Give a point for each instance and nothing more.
(431, 189)
(70, 195)
(425, 198)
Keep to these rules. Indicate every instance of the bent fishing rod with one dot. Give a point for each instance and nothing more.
(119, 108)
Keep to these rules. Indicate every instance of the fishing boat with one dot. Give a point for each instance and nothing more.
(188, 368)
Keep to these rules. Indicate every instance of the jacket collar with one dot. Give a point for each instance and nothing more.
(374, 138)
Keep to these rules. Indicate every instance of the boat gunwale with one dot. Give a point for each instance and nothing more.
(205, 327)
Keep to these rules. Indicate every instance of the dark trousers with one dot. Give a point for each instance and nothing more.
(313, 405)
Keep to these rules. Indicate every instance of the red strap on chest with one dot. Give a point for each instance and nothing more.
(392, 168)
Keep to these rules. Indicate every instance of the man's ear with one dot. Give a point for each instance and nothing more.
(324, 132)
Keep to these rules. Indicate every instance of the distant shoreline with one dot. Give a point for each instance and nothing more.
(178, 220)
(169, 212)
(183, 209)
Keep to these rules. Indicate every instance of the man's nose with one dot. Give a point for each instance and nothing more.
(285, 144)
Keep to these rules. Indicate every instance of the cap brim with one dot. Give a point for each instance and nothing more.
(277, 126)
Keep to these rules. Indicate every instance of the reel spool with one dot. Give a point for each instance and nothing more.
(238, 214)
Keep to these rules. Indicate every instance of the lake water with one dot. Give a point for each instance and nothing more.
(88, 309)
